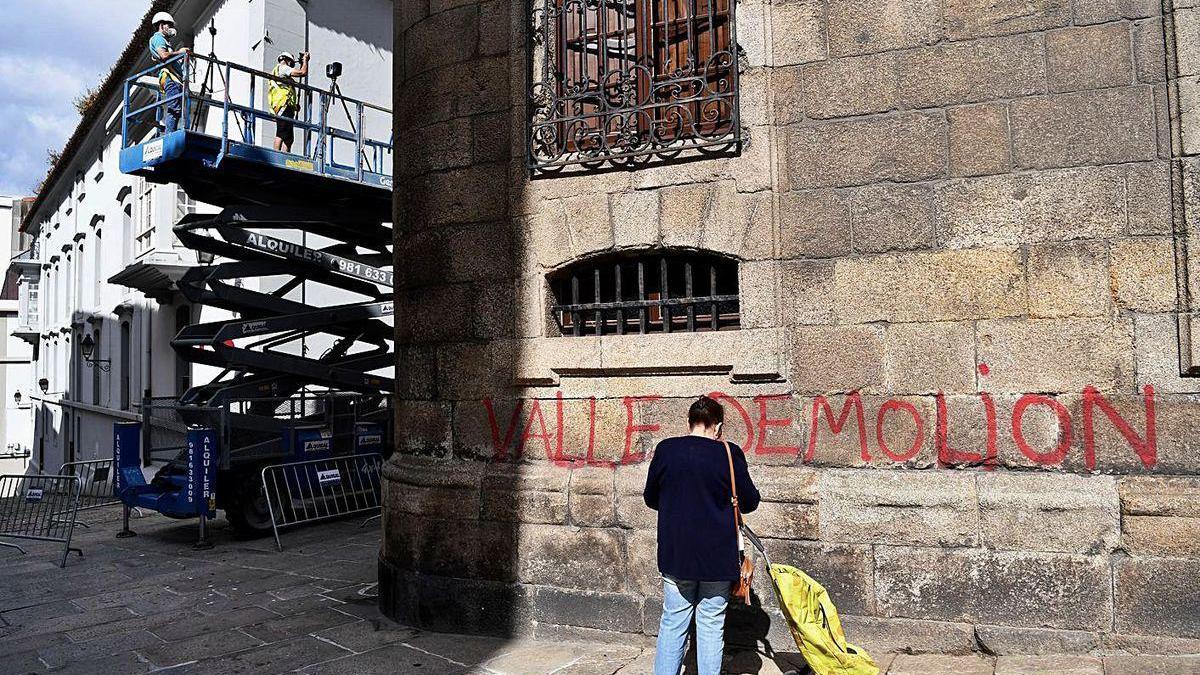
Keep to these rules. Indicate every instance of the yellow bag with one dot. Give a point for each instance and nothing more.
(815, 625)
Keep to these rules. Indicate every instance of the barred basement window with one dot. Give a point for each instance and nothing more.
(646, 293)
(621, 80)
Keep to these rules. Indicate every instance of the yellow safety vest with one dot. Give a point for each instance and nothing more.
(280, 95)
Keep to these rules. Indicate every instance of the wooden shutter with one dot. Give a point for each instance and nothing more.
(690, 42)
(596, 55)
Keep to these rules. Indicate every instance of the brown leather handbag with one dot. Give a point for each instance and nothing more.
(741, 587)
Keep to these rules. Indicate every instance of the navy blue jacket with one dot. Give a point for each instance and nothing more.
(688, 484)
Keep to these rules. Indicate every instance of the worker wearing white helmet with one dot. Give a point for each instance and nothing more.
(283, 99)
(170, 77)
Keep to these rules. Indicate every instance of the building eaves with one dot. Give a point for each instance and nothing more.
(111, 85)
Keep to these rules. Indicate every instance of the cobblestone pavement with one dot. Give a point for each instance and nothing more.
(152, 603)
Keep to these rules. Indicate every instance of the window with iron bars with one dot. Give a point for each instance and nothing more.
(618, 81)
(649, 292)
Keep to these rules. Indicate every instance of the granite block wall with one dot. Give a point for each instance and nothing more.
(962, 373)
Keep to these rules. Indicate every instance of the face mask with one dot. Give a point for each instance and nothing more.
(171, 32)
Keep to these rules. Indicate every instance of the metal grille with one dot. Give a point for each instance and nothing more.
(621, 80)
(647, 294)
(320, 489)
(164, 430)
(304, 404)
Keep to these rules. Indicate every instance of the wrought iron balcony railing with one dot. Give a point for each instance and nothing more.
(619, 82)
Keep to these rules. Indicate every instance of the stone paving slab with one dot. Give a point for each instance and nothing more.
(395, 658)
(365, 635)
(207, 645)
(933, 664)
(153, 604)
(62, 655)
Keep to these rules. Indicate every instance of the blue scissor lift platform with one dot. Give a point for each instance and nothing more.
(219, 154)
(334, 187)
(235, 172)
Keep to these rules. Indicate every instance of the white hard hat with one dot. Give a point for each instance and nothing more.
(161, 17)
(285, 55)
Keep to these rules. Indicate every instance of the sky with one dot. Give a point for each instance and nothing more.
(51, 51)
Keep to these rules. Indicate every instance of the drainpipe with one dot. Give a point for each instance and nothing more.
(147, 346)
(147, 378)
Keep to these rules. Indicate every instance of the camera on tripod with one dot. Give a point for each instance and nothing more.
(333, 70)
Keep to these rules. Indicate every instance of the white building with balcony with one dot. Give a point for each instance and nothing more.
(103, 260)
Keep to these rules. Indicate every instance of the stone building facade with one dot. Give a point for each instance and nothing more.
(960, 371)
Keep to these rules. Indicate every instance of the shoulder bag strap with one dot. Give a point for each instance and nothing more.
(737, 512)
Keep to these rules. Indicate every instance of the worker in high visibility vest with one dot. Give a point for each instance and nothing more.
(283, 98)
(170, 77)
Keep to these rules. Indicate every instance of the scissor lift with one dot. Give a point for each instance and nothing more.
(303, 263)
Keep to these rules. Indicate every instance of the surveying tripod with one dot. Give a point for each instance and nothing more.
(333, 71)
(206, 83)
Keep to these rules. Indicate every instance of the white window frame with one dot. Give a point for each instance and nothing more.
(97, 266)
(77, 270)
(52, 295)
(143, 237)
(184, 206)
(32, 295)
(127, 220)
(68, 289)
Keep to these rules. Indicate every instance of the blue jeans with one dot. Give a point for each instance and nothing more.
(171, 111)
(707, 600)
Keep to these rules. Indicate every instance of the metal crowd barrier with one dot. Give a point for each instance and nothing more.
(32, 507)
(95, 482)
(321, 489)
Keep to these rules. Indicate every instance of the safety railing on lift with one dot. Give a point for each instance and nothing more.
(317, 111)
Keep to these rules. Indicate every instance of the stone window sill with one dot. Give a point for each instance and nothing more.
(744, 356)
